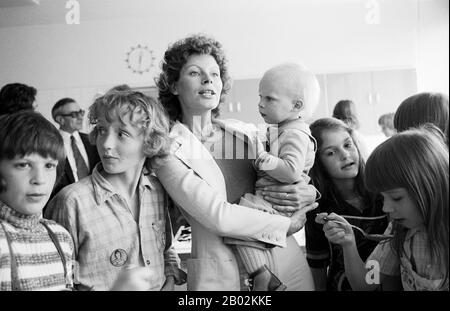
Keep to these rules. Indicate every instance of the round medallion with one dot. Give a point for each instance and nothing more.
(118, 257)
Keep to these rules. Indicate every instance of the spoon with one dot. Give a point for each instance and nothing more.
(368, 236)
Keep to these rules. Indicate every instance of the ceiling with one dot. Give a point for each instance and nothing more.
(17, 3)
(15, 13)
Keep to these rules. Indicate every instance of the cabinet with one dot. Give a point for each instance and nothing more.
(373, 92)
(242, 102)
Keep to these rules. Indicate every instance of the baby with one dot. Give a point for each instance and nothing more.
(289, 94)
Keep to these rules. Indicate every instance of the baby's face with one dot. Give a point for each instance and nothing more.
(29, 182)
(276, 103)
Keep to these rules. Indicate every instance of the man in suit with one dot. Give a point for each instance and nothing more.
(81, 156)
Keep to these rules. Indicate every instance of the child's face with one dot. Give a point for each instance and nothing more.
(339, 155)
(276, 104)
(400, 206)
(29, 182)
(120, 145)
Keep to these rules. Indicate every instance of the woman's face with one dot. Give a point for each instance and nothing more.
(339, 155)
(199, 86)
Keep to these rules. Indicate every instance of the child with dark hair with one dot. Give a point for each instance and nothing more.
(16, 97)
(410, 170)
(35, 253)
(338, 174)
(423, 108)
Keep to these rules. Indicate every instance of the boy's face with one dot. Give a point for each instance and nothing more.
(29, 182)
(276, 102)
(120, 145)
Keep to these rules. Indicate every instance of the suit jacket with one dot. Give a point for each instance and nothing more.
(65, 172)
(196, 184)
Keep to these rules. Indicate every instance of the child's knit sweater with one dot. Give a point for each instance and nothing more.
(38, 263)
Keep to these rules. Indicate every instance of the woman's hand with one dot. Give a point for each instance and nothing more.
(290, 198)
(298, 219)
(336, 233)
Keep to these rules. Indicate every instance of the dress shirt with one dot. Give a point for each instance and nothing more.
(69, 153)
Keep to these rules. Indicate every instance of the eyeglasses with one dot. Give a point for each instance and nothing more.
(73, 114)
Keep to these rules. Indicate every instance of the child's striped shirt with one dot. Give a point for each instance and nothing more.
(38, 263)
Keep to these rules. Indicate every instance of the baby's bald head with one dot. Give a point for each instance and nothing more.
(297, 82)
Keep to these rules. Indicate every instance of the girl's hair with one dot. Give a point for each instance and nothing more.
(423, 108)
(319, 175)
(176, 57)
(144, 112)
(26, 132)
(345, 110)
(416, 160)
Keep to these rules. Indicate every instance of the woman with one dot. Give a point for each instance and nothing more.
(212, 164)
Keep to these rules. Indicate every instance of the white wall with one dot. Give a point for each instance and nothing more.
(327, 36)
(433, 46)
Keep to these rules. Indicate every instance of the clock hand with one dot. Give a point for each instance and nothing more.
(140, 59)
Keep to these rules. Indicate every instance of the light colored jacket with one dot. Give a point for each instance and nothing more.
(196, 184)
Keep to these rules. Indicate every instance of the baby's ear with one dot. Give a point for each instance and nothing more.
(298, 105)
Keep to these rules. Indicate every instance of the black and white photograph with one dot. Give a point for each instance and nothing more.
(224, 150)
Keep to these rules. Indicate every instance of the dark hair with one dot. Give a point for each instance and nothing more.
(60, 103)
(27, 132)
(174, 59)
(345, 110)
(423, 108)
(146, 112)
(418, 161)
(320, 177)
(16, 97)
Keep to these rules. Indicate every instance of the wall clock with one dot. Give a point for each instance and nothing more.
(140, 59)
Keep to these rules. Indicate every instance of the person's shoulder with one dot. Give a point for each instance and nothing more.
(82, 188)
(61, 233)
(54, 226)
(74, 196)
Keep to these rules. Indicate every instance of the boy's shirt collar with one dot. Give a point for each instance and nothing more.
(103, 190)
(18, 220)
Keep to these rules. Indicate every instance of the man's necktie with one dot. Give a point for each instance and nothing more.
(82, 169)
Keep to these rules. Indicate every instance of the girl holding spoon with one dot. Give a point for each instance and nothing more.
(338, 174)
(410, 170)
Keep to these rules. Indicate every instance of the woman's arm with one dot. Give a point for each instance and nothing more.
(202, 202)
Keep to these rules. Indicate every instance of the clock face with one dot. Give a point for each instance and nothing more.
(140, 59)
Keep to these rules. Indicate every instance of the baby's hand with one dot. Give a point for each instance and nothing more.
(134, 279)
